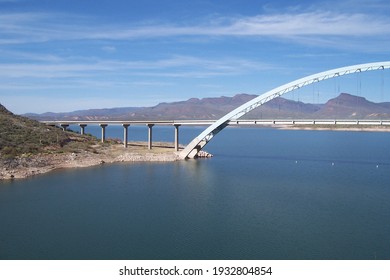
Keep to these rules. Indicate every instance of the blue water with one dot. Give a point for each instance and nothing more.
(266, 194)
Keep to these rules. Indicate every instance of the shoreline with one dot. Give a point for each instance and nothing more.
(27, 166)
(334, 128)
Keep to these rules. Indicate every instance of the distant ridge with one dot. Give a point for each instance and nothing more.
(344, 106)
(351, 106)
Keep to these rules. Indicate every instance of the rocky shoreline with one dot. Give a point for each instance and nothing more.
(31, 165)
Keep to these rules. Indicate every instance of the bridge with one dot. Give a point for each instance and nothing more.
(126, 124)
(233, 117)
(198, 143)
(241, 122)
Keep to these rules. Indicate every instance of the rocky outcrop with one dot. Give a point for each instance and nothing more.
(204, 154)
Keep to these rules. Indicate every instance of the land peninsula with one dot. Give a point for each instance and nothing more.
(28, 147)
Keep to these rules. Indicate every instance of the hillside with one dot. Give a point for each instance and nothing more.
(344, 106)
(20, 135)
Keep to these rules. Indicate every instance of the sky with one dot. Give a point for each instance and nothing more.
(66, 55)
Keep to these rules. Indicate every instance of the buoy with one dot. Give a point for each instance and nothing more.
(332, 163)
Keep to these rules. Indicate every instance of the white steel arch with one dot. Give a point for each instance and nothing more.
(197, 144)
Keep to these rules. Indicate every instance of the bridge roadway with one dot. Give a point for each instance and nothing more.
(178, 123)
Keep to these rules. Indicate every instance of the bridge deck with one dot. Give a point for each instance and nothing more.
(231, 122)
(177, 123)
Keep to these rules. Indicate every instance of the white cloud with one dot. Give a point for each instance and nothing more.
(30, 27)
(169, 67)
(311, 23)
(276, 25)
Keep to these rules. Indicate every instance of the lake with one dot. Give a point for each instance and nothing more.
(266, 194)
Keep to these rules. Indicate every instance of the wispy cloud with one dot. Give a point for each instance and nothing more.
(311, 23)
(173, 67)
(30, 27)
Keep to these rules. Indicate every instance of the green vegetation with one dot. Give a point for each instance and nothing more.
(23, 136)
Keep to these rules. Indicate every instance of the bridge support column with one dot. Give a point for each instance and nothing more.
(176, 136)
(125, 134)
(64, 126)
(150, 135)
(82, 128)
(103, 126)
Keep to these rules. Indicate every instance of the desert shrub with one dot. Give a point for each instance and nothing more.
(20, 135)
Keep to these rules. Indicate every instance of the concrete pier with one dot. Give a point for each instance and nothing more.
(103, 126)
(125, 134)
(176, 136)
(150, 135)
(82, 128)
(64, 126)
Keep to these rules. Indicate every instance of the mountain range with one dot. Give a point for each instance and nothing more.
(344, 106)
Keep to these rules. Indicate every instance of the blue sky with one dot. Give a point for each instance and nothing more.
(66, 55)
